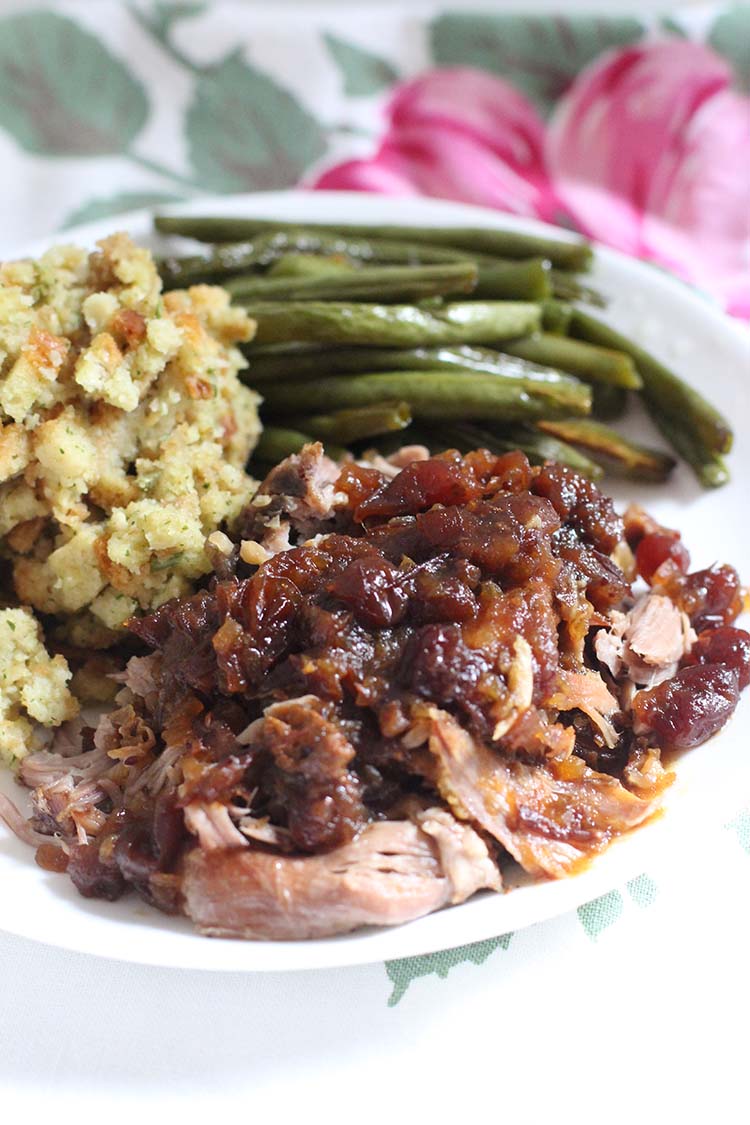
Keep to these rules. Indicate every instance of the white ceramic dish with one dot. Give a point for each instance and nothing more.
(710, 351)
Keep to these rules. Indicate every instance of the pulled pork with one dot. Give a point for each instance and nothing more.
(404, 675)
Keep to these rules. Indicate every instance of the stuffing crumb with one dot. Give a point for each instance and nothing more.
(33, 686)
(124, 433)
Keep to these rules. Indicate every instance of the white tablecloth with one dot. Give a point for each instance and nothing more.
(645, 1020)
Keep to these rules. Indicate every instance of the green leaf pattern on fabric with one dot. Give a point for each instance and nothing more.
(163, 16)
(117, 205)
(741, 825)
(408, 969)
(540, 55)
(363, 72)
(601, 913)
(62, 92)
(246, 132)
(730, 36)
(597, 915)
(643, 890)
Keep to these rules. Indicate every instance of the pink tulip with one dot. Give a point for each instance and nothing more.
(649, 151)
(457, 133)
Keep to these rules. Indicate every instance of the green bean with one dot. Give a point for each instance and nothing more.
(537, 447)
(624, 457)
(356, 423)
(477, 322)
(556, 317)
(433, 394)
(566, 287)
(518, 281)
(281, 361)
(709, 466)
(229, 258)
(221, 261)
(609, 402)
(296, 265)
(551, 384)
(384, 284)
(277, 442)
(597, 364)
(665, 394)
(232, 258)
(573, 255)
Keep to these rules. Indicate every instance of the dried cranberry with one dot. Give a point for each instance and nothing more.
(638, 523)
(419, 487)
(438, 664)
(371, 589)
(580, 505)
(688, 709)
(654, 550)
(606, 585)
(724, 645)
(709, 597)
(359, 483)
(442, 590)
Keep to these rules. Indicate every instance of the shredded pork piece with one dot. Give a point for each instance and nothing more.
(462, 853)
(391, 873)
(656, 633)
(19, 825)
(549, 822)
(391, 466)
(213, 825)
(647, 643)
(305, 484)
(521, 687)
(587, 692)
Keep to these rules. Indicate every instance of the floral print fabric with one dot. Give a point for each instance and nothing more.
(632, 130)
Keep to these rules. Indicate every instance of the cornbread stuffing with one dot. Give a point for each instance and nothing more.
(33, 686)
(124, 432)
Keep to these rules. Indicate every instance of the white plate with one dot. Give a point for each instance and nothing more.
(710, 351)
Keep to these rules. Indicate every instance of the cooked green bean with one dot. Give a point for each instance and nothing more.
(537, 447)
(556, 317)
(609, 402)
(587, 361)
(283, 362)
(368, 302)
(665, 394)
(709, 466)
(566, 287)
(573, 255)
(221, 261)
(434, 394)
(517, 281)
(231, 258)
(477, 322)
(296, 265)
(555, 385)
(383, 284)
(277, 442)
(226, 259)
(627, 458)
(356, 423)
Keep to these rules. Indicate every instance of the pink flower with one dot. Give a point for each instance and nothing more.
(457, 133)
(649, 151)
